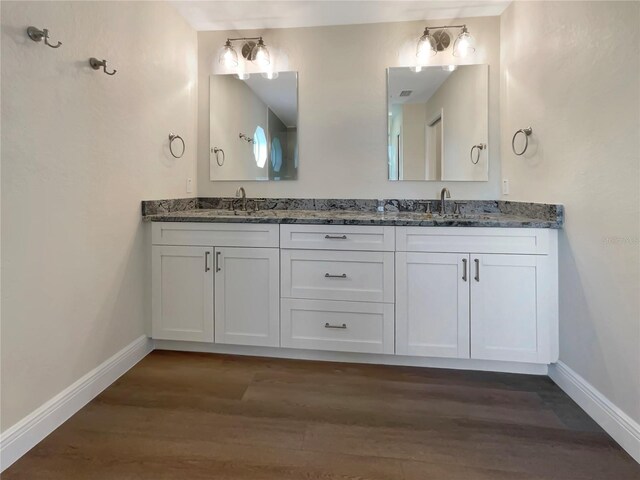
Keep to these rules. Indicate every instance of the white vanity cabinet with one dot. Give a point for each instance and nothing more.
(474, 293)
(454, 300)
(216, 283)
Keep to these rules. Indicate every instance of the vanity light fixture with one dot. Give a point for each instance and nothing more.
(270, 75)
(449, 68)
(253, 49)
(430, 44)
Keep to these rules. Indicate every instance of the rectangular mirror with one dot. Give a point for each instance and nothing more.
(438, 123)
(253, 127)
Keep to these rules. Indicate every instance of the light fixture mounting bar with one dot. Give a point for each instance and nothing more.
(242, 38)
(447, 26)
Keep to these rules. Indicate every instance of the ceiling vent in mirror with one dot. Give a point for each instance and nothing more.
(406, 93)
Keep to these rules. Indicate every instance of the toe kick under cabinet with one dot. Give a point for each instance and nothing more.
(456, 292)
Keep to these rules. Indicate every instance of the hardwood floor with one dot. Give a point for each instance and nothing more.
(201, 416)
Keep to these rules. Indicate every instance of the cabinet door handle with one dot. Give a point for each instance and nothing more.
(477, 269)
(206, 261)
(328, 325)
(336, 237)
(464, 269)
(218, 262)
(328, 275)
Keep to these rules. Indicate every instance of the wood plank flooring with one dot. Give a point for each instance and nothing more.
(202, 416)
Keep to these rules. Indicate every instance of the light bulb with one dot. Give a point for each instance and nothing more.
(464, 44)
(426, 46)
(260, 54)
(228, 56)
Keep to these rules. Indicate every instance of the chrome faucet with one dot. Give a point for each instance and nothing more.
(444, 193)
(240, 193)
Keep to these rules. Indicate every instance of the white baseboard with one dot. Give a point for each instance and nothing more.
(614, 421)
(346, 357)
(24, 435)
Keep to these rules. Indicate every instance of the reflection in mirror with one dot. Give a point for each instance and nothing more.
(253, 127)
(438, 123)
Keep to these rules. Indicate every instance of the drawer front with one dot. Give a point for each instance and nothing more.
(337, 237)
(533, 241)
(337, 326)
(216, 234)
(338, 275)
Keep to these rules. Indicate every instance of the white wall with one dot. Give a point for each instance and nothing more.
(80, 150)
(571, 70)
(343, 109)
(462, 99)
(235, 109)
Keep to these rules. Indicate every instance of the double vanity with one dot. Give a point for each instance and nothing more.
(343, 276)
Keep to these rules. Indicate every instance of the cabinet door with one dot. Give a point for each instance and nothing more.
(182, 293)
(432, 304)
(504, 307)
(247, 296)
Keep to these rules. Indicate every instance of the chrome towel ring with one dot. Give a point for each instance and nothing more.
(173, 137)
(215, 151)
(526, 131)
(479, 147)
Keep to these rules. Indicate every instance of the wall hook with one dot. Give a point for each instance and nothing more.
(96, 64)
(37, 35)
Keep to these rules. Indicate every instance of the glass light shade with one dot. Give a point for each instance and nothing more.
(464, 45)
(228, 56)
(426, 46)
(260, 54)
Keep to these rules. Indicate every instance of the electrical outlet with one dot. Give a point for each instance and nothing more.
(189, 185)
(505, 186)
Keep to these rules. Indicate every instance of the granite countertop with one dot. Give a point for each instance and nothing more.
(353, 212)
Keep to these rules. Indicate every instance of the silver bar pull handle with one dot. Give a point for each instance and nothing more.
(328, 325)
(206, 261)
(464, 269)
(336, 237)
(328, 275)
(477, 269)
(218, 262)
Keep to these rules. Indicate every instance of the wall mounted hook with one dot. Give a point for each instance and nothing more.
(37, 35)
(96, 64)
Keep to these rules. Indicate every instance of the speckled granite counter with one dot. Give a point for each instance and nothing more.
(355, 212)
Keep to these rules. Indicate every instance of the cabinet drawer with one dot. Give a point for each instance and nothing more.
(216, 234)
(338, 326)
(338, 275)
(474, 240)
(337, 237)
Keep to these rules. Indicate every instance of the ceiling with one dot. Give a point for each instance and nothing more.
(422, 85)
(252, 14)
(280, 95)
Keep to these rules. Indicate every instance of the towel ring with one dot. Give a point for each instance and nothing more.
(526, 131)
(215, 152)
(479, 147)
(173, 137)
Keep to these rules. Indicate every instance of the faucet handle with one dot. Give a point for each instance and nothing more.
(457, 208)
(257, 202)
